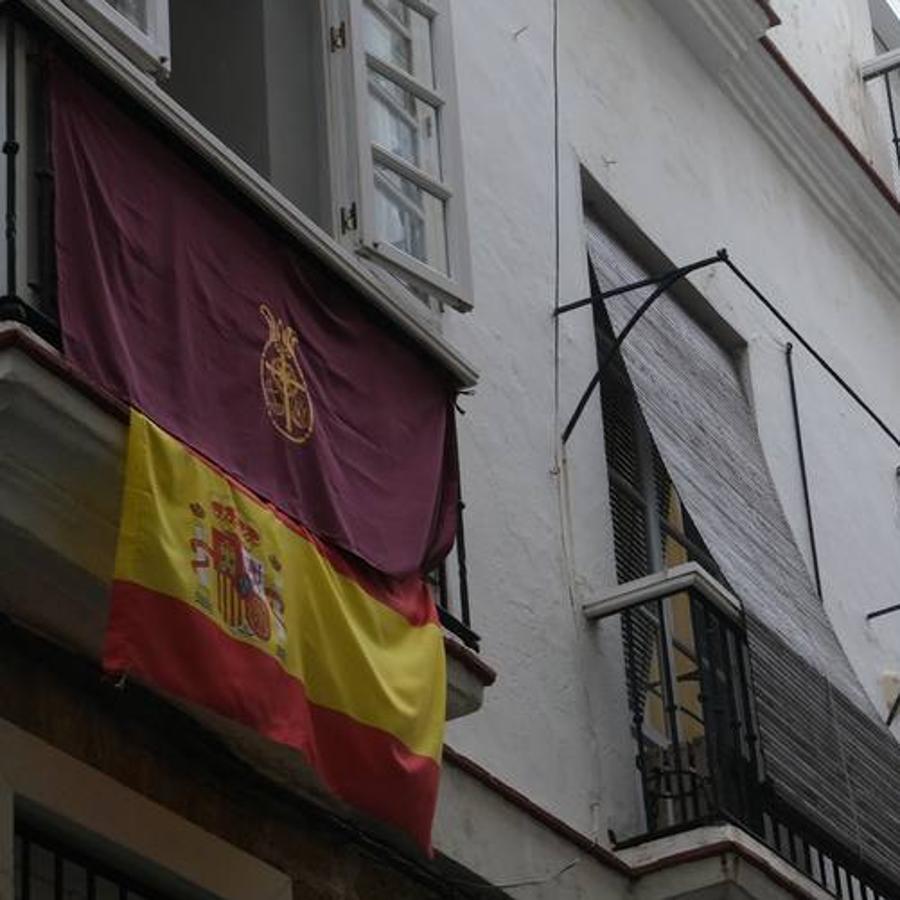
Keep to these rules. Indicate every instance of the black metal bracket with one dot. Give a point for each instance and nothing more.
(882, 612)
(666, 280)
(895, 708)
(662, 284)
(679, 272)
(807, 501)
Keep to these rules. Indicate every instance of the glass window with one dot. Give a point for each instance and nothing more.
(403, 124)
(138, 28)
(409, 218)
(398, 35)
(403, 118)
(133, 10)
(399, 202)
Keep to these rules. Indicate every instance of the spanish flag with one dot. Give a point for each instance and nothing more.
(224, 602)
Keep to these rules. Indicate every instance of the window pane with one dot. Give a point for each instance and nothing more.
(403, 124)
(20, 853)
(133, 10)
(410, 219)
(106, 890)
(400, 36)
(74, 881)
(42, 874)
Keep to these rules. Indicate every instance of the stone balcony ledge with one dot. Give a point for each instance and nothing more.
(62, 446)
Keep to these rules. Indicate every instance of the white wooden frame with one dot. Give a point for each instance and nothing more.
(150, 50)
(689, 576)
(355, 153)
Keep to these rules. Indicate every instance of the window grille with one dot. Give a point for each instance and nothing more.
(685, 663)
(48, 868)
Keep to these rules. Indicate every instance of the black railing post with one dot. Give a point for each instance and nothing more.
(670, 703)
(12, 306)
(636, 702)
(893, 116)
(463, 569)
(710, 704)
(457, 621)
(442, 585)
(42, 282)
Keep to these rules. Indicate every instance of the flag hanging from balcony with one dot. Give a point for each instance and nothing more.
(222, 601)
(179, 301)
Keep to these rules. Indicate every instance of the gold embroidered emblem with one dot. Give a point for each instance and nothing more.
(283, 385)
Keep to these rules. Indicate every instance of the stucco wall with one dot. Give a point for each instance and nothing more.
(657, 133)
(826, 40)
(541, 727)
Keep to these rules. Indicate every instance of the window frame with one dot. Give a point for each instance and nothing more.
(150, 50)
(355, 153)
(885, 17)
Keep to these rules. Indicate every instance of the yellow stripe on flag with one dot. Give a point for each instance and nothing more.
(190, 533)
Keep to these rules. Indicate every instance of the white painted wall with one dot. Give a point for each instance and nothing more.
(658, 133)
(655, 130)
(555, 724)
(825, 41)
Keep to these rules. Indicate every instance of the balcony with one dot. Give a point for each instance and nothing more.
(698, 757)
(62, 442)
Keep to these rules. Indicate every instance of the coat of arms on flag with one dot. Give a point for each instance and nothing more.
(221, 600)
(235, 576)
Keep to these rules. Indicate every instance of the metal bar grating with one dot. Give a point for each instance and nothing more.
(47, 868)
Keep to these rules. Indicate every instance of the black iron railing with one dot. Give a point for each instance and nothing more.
(692, 718)
(820, 857)
(29, 289)
(452, 583)
(691, 702)
(891, 100)
(49, 866)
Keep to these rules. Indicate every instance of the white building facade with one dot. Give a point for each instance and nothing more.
(664, 680)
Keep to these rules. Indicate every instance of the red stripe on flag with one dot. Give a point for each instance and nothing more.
(186, 654)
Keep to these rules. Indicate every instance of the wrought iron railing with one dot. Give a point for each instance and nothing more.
(692, 717)
(820, 857)
(452, 579)
(28, 266)
(49, 866)
(891, 99)
(691, 702)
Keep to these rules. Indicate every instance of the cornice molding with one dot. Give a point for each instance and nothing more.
(718, 32)
(820, 156)
(728, 37)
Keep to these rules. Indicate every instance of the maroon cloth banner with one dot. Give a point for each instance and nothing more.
(177, 300)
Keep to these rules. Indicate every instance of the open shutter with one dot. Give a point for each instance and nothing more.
(394, 78)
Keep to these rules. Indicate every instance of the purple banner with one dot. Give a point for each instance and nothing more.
(179, 301)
